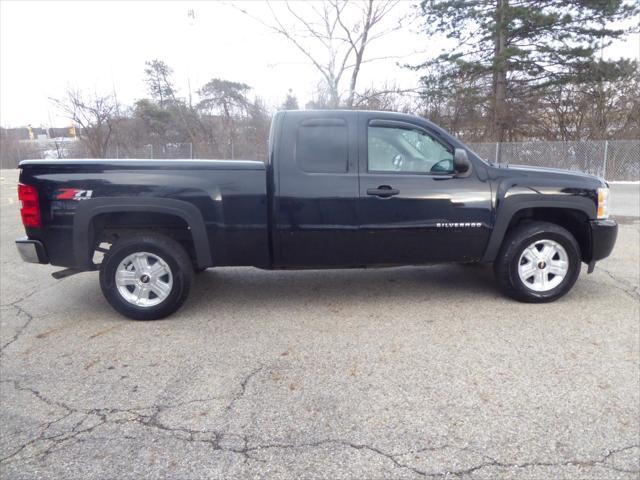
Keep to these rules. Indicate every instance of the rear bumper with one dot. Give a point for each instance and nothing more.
(603, 238)
(31, 251)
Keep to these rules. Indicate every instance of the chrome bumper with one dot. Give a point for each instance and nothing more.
(31, 251)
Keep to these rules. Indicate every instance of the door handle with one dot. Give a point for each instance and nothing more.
(384, 191)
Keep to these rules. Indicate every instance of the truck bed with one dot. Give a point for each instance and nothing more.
(230, 196)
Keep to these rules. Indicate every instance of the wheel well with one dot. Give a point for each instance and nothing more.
(575, 221)
(109, 227)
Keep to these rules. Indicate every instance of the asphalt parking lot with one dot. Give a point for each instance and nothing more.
(413, 372)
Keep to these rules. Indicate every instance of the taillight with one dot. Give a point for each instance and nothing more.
(29, 206)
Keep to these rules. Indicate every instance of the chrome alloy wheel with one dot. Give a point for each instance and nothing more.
(543, 265)
(144, 279)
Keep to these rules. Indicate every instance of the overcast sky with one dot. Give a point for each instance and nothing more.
(46, 47)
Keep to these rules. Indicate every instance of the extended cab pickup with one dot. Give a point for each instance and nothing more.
(340, 189)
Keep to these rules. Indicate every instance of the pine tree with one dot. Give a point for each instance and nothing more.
(158, 80)
(514, 46)
(291, 102)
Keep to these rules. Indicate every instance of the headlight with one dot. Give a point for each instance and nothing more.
(603, 203)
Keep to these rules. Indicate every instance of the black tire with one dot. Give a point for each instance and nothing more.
(170, 251)
(506, 263)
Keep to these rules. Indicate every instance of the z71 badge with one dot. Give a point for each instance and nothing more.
(73, 194)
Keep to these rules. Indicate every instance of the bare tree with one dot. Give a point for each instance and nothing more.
(94, 114)
(388, 97)
(594, 109)
(328, 27)
(160, 85)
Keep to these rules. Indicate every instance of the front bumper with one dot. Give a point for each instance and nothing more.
(31, 251)
(603, 238)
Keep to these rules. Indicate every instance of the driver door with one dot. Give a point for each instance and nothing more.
(412, 207)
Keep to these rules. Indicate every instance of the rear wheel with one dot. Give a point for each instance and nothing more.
(146, 277)
(538, 262)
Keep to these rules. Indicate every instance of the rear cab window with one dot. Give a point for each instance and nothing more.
(322, 146)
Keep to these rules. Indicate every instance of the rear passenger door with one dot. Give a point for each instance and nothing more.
(316, 191)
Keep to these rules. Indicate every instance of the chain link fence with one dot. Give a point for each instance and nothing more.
(615, 160)
(11, 155)
(623, 160)
(122, 151)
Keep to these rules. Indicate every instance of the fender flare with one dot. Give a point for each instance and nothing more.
(510, 206)
(87, 210)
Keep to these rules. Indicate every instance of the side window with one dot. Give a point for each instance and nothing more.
(393, 149)
(322, 146)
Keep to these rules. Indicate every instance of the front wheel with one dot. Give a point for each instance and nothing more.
(538, 262)
(146, 277)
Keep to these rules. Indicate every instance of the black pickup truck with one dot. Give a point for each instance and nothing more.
(340, 189)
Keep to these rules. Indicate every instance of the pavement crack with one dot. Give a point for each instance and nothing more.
(356, 446)
(388, 456)
(21, 299)
(622, 284)
(452, 473)
(243, 387)
(577, 463)
(39, 396)
(48, 442)
(22, 328)
(21, 311)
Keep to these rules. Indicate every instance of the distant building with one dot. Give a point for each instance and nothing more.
(39, 133)
(15, 133)
(64, 132)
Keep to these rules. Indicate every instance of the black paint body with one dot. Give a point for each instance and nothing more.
(279, 215)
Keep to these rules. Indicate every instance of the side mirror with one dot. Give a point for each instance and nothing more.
(461, 163)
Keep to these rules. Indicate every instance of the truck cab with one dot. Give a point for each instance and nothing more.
(374, 188)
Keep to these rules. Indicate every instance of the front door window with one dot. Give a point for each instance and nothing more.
(403, 150)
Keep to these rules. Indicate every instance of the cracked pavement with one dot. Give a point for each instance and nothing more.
(402, 373)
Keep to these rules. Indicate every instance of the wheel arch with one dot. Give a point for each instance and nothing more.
(84, 234)
(571, 213)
